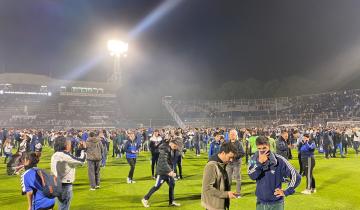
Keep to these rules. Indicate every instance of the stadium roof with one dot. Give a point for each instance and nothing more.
(37, 79)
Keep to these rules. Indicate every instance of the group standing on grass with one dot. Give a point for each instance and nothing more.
(266, 151)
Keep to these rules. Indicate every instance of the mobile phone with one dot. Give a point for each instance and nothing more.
(237, 195)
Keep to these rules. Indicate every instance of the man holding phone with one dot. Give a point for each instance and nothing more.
(269, 170)
(216, 194)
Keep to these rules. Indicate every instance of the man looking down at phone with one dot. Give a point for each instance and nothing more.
(269, 170)
(216, 192)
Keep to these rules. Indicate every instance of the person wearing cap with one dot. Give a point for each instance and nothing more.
(164, 171)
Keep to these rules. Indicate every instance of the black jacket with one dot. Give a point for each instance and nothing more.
(240, 150)
(282, 147)
(165, 161)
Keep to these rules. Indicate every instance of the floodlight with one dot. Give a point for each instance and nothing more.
(117, 47)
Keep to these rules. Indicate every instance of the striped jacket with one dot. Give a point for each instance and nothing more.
(270, 176)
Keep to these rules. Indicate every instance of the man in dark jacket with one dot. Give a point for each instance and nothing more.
(233, 169)
(282, 147)
(327, 143)
(94, 151)
(155, 142)
(269, 171)
(164, 171)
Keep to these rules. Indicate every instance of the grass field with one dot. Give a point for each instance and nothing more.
(337, 182)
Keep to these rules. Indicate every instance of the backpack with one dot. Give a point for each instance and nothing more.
(52, 186)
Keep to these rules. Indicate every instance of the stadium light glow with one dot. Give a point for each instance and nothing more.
(117, 47)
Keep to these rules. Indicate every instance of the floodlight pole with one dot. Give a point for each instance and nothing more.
(116, 73)
(117, 50)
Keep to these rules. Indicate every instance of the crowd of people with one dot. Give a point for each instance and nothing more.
(266, 152)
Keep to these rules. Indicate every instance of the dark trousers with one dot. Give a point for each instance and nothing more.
(197, 147)
(94, 172)
(308, 167)
(154, 159)
(178, 163)
(160, 179)
(356, 146)
(327, 150)
(300, 164)
(132, 163)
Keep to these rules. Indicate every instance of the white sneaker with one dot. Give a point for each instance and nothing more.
(306, 192)
(92, 189)
(174, 204)
(128, 180)
(97, 187)
(313, 190)
(133, 182)
(145, 203)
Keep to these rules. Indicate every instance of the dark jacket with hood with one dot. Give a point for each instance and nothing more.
(94, 149)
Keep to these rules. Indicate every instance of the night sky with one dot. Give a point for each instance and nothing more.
(198, 41)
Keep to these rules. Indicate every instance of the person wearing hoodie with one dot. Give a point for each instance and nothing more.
(94, 152)
(269, 170)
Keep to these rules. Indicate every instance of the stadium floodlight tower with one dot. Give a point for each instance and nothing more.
(118, 50)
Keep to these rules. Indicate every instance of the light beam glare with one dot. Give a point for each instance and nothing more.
(153, 17)
(158, 13)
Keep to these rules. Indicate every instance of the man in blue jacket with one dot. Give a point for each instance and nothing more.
(307, 148)
(215, 145)
(269, 170)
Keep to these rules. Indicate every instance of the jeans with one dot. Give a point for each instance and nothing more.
(341, 149)
(178, 163)
(104, 157)
(66, 196)
(275, 206)
(234, 169)
(160, 179)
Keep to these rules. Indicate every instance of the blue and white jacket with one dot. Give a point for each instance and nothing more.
(307, 149)
(270, 176)
(131, 148)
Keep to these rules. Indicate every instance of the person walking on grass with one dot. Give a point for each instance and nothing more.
(94, 152)
(132, 148)
(269, 170)
(164, 171)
